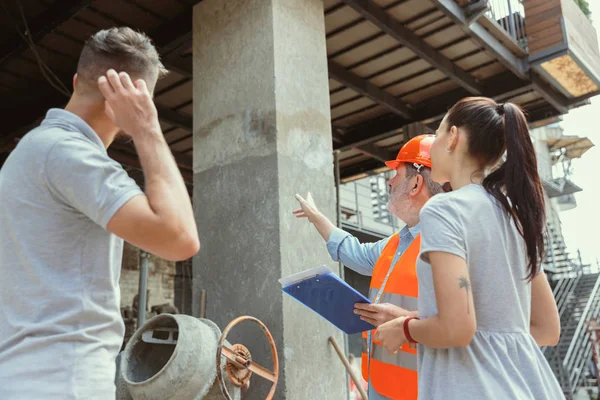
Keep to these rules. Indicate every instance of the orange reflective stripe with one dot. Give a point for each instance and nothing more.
(394, 382)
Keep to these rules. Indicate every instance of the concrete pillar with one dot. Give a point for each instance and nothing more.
(261, 134)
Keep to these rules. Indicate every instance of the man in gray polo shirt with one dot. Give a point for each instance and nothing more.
(65, 209)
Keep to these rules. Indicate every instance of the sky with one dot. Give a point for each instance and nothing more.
(581, 225)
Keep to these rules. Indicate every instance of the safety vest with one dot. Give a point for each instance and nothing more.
(393, 375)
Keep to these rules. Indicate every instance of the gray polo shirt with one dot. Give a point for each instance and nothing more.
(60, 323)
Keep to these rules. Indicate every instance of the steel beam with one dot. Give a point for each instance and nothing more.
(174, 118)
(433, 109)
(388, 24)
(369, 149)
(556, 99)
(367, 89)
(519, 66)
(376, 152)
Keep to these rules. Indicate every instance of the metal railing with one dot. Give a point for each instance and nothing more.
(510, 16)
(580, 347)
(361, 207)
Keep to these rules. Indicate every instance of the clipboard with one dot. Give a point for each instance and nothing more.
(329, 296)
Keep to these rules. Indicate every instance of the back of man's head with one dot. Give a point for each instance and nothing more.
(123, 50)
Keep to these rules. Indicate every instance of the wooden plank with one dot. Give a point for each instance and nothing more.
(544, 34)
(361, 116)
(360, 104)
(543, 25)
(536, 7)
(533, 20)
(408, 38)
(336, 99)
(548, 24)
(549, 42)
(570, 76)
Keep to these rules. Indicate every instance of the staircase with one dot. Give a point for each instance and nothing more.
(578, 301)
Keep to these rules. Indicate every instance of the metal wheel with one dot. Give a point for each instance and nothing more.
(240, 366)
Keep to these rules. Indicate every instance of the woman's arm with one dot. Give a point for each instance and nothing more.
(455, 324)
(545, 322)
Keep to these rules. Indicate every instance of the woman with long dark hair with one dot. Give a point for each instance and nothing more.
(485, 304)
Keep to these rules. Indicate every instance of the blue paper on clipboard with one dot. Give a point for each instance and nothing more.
(329, 296)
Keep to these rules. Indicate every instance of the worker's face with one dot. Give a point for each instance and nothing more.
(399, 187)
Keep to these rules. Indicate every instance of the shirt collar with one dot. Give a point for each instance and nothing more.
(57, 117)
(412, 231)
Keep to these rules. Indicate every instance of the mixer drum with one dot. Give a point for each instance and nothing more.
(170, 357)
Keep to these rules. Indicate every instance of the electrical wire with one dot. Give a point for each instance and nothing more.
(61, 86)
(47, 73)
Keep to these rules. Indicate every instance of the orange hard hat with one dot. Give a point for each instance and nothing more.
(415, 151)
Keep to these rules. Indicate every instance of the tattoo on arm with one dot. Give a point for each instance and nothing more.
(463, 282)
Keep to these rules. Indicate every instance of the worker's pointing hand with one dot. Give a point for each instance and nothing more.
(378, 314)
(308, 208)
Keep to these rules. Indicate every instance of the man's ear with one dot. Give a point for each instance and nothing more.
(75, 77)
(418, 185)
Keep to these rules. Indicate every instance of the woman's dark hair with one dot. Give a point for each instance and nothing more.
(493, 128)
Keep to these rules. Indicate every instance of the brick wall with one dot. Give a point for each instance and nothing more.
(161, 278)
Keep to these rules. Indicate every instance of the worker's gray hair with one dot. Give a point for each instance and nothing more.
(433, 187)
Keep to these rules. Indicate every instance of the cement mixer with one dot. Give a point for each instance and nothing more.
(180, 357)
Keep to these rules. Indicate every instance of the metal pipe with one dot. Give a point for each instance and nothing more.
(511, 20)
(338, 202)
(203, 303)
(358, 216)
(142, 289)
(338, 205)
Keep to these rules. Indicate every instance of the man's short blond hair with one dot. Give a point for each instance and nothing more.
(121, 49)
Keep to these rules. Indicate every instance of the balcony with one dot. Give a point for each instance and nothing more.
(563, 47)
(509, 17)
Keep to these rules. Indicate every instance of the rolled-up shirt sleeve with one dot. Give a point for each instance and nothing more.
(359, 257)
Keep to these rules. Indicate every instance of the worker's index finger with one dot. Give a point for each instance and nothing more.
(126, 81)
(105, 87)
(114, 80)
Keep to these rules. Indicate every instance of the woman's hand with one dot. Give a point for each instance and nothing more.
(391, 335)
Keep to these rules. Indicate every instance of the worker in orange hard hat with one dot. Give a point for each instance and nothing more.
(391, 264)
